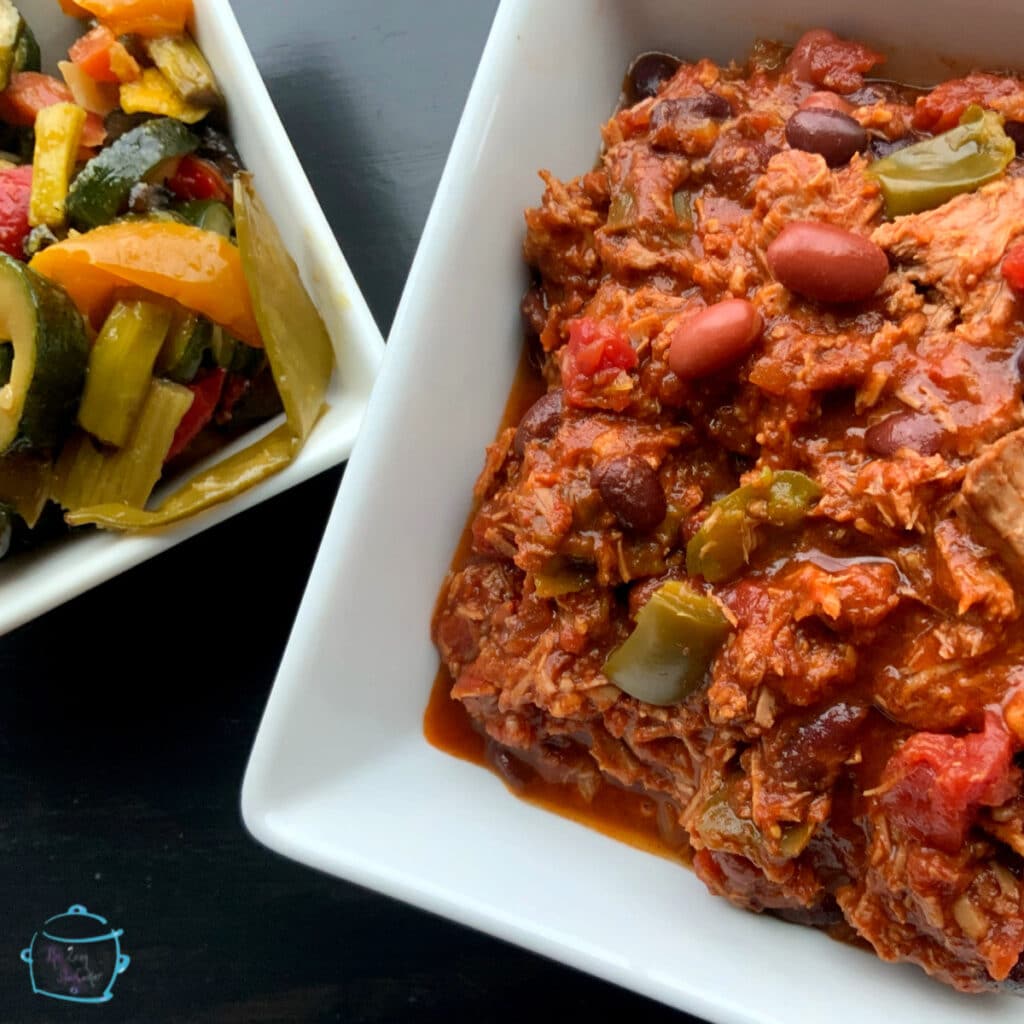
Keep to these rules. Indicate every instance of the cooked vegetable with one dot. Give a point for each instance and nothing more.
(101, 190)
(560, 578)
(50, 347)
(221, 482)
(153, 93)
(724, 543)
(140, 17)
(85, 475)
(301, 358)
(10, 24)
(15, 193)
(200, 270)
(29, 92)
(206, 391)
(208, 214)
(98, 98)
(101, 56)
(184, 347)
(197, 179)
(25, 484)
(667, 655)
(296, 341)
(58, 131)
(120, 367)
(932, 171)
(26, 50)
(185, 67)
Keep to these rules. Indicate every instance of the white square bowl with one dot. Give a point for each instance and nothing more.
(341, 776)
(35, 582)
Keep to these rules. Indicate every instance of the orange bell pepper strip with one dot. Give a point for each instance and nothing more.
(141, 17)
(29, 92)
(199, 269)
(99, 54)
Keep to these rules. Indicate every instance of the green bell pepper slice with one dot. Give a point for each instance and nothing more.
(723, 545)
(927, 174)
(666, 657)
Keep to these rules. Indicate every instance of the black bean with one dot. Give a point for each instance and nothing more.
(540, 422)
(632, 492)
(646, 74)
(915, 430)
(1020, 363)
(881, 147)
(708, 105)
(1015, 129)
(534, 310)
(831, 133)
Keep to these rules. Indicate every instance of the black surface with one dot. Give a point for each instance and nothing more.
(126, 716)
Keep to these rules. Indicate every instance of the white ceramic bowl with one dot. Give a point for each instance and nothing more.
(341, 777)
(34, 583)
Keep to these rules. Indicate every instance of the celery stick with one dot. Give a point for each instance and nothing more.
(120, 368)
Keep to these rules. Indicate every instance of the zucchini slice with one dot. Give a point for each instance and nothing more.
(100, 192)
(51, 350)
(10, 24)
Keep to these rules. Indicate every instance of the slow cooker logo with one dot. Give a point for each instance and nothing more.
(76, 956)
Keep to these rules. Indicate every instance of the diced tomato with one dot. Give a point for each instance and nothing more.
(934, 783)
(15, 188)
(99, 54)
(823, 59)
(596, 345)
(939, 110)
(206, 390)
(199, 179)
(1013, 267)
(29, 92)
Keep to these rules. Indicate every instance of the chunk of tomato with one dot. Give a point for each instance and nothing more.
(934, 784)
(1013, 267)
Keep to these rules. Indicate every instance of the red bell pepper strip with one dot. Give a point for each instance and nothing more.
(196, 178)
(206, 390)
(15, 188)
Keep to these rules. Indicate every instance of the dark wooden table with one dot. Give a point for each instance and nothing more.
(126, 716)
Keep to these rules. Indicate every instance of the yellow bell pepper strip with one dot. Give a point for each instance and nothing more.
(199, 269)
(120, 367)
(58, 132)
(725, 541)
(301, 360)
(153, 93)
(139, 17)
(666, 657)
(927, 174)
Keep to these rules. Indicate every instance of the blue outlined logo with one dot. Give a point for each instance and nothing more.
(76, 956)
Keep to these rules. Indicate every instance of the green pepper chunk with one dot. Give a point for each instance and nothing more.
(927, 174)
(560, 577)
(723, 545)
(667, 655)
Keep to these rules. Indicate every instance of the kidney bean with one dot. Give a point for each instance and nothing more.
(646, 74)
(881, 148)
(631, 490)
(826, 263)
(714, 338)
(540, 422)
(831, 133)
(915, 430)
(709, 104)
(827, 101)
